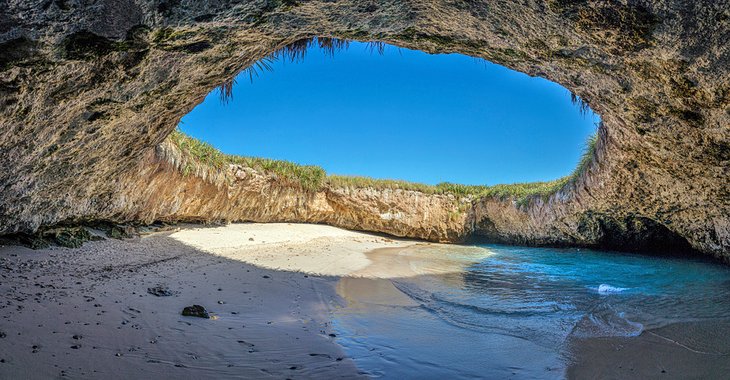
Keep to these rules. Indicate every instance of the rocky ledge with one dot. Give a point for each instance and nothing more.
(89, 90)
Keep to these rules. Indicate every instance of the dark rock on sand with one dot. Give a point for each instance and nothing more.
(71, 237)
(160, 291)
(121, 232)
(195, 311)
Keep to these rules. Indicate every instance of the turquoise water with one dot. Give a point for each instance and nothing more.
(512, 314)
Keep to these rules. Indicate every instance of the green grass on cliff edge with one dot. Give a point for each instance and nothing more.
(314, 178)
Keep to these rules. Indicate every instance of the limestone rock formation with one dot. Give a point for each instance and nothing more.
(89, 89)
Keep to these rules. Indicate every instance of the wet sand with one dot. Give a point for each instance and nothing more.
(689, 350)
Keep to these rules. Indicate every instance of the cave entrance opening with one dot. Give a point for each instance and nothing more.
(372, 112)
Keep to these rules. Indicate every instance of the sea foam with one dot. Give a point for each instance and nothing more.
(605, 321)
(608, 289)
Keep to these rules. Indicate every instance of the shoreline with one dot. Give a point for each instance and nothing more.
(272, 291)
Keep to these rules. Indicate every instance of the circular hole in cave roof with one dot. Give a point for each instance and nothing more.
(388, 112)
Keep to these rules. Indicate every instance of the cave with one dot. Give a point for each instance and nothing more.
(286, 272)
(91, 97)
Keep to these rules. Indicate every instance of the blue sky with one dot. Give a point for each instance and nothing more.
(403, 115)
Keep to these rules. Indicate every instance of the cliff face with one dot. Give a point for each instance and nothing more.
(90, 89)
(163, 190)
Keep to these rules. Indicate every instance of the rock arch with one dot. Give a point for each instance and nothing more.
(89, 90)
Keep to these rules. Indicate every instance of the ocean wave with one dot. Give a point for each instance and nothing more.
(531, 321)
(608, 289)
(605, 321)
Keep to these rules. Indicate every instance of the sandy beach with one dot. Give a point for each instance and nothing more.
(293, 301)
(87, 312)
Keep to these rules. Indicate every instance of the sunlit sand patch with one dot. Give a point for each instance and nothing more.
(372, 285)
(328, 251)
(420, 259)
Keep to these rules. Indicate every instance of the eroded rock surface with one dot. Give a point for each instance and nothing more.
(90, 89)
(162, 189)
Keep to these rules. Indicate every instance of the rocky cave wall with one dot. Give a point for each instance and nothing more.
(89, 89)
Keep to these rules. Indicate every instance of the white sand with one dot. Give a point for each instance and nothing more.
(327, 251)
(309, 248)
(85, 313)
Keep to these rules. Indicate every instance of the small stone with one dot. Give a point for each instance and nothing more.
(160, 291)
(77, 337)
(266, 276)
(76, 346)
(250, 239)
(195, 311)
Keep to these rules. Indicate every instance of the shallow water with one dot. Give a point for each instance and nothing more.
(513, 312)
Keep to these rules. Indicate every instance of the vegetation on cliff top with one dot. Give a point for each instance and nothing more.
(314, 178)
(307, 176)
